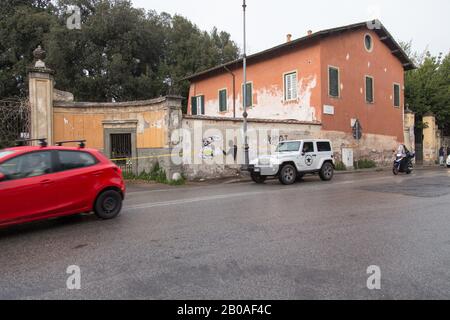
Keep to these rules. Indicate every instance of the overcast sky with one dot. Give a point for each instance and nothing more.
(427, 23)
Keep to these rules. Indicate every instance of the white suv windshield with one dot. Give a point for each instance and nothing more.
(288, 146)
(5, 153)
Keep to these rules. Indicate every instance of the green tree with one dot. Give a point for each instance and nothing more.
(120, 53)
(23, 26)
(427, 88)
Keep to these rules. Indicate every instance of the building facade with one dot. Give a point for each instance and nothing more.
(332, 78)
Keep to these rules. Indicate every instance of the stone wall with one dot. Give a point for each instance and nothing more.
(208, 143)
(150, 123)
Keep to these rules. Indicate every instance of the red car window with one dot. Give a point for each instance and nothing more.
(69, 160)
(28, 165)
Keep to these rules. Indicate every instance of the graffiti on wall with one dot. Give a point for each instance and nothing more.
(209, 150)
(275, 140)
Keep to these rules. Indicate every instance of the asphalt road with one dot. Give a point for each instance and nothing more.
(313, 240)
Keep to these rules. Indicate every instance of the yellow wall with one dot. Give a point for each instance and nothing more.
(155, 135)
(151, 131)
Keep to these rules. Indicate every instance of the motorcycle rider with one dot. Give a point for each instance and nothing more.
(402, 152)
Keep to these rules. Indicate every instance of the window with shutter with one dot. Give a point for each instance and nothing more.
(249, 94)
(198, 105)
(223, 100)
(333, 80)
(396, 95)
(369, 89)
(290, 86)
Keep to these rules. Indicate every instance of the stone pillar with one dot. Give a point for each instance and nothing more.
(429, 139)
(174, 117)
(41, 83)
(409, 136)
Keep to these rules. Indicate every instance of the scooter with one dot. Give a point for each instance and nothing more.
(403, 163)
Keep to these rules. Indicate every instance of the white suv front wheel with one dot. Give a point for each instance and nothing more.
(288, 174)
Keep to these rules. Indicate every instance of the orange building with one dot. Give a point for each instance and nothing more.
(332, 77)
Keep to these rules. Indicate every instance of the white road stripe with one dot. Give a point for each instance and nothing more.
(320, 187)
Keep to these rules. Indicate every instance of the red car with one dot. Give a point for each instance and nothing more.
(50, 181)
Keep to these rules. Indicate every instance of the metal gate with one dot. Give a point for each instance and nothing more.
(121, 151)
(15, 121)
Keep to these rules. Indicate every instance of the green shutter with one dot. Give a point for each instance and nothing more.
(369, 89)
(222, 100)
(396, 95)
(333, 75)
(194, 106)
(249, 95)
(202, 104)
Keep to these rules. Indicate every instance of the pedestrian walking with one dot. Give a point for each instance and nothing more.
(441, 156)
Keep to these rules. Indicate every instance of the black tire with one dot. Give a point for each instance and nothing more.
(288, 174)
(326, 172)
(257, 178)
(108, 204)
(409, 168)
(395, 171)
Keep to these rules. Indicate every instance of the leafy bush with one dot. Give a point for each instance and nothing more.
(128, 175)
(365, 164)
(340, 166)
(156, 174)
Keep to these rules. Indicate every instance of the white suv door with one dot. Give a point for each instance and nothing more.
(307, 160)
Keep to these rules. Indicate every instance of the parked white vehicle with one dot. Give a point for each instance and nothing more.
(448, 161)
(294, 159)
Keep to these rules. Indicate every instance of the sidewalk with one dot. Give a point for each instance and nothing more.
(246, 178)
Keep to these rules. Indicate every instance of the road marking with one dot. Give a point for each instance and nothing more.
(190, 200)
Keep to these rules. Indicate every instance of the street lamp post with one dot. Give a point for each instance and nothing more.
(244, 94)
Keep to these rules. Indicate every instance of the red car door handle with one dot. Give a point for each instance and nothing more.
(47, 181)
(97, 174)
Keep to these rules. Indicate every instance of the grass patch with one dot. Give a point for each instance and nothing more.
(365, 164)
(340, 166)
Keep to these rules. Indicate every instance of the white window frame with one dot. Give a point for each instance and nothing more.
(399, 95)
(197, 97)
(373, 89)
(296, 86)
(329, 81)
(372, 42)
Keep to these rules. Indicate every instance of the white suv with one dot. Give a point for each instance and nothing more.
(294, 159)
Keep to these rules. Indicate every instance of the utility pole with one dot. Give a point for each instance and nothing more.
(244, 95)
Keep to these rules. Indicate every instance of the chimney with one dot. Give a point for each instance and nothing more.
(288, 37)
(310, 32)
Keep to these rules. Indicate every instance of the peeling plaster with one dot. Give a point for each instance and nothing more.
(144, 124)
(269, 103)
(67, 123)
